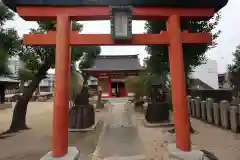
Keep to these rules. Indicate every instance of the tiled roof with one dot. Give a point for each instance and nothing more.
(116, 63)
(8, 79)
(217, 4)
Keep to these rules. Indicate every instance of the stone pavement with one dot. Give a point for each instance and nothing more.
(120, 139)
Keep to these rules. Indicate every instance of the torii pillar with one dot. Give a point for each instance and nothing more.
(178, 85)
(61, 88)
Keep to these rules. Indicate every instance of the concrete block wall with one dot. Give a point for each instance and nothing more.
(219, 114)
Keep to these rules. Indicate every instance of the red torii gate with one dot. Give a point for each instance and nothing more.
(63, 38)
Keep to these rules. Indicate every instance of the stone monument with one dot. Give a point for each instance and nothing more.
(81, 114)
(158, 108)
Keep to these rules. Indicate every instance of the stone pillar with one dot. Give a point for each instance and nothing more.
(209, 107)
(109, 87)
(198, 107)
(203, 110)
(192, 103)
(234, 121)
(224, 110)
(216, 114)
(189, 105)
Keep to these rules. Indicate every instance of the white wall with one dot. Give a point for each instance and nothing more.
(48, 81)
(207, 73)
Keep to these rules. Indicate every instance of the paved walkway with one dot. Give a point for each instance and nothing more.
(120, 139)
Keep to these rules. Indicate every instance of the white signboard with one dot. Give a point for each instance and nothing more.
(121, 24)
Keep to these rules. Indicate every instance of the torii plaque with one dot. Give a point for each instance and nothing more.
(63, 11)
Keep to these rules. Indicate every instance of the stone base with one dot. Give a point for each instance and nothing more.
(92, 128)
(140, 157)
(73, 154)
(176, 154)
(162, 124)
(97, 110)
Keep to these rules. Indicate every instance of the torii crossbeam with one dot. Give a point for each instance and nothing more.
(63, 38)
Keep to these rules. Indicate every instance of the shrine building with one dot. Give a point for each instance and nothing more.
(112, 73)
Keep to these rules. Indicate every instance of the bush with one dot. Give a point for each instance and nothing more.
(142, 84)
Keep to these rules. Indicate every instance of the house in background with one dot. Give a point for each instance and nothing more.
(205, 76)
(47, 84)
(224, 81)
(92, 81)
(14, 64)
(112, 72)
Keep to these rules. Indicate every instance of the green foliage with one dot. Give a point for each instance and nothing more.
(194, 55)
(34, 57)
(157, 64)
(234, 69)
(88, 58)
(4, 70)
(76, 84)
(9, 40)
(236, 60)
(141, 85)
(25, 74)
(5, 14)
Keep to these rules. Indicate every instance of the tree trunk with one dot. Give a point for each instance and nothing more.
(99, 98)
(20, 109)
(2, 93)
(37, 91)
(21, 87)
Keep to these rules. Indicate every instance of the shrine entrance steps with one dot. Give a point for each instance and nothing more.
(119, 139)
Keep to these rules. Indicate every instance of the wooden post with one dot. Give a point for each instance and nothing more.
(109, 87)
(61, 88)
(125, 89)
(179, 98)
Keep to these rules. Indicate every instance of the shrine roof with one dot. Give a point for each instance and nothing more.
(4, 79)
(217, 4)
(116, 63)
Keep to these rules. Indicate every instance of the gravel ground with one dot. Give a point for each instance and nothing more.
(34, 143)
(224, 144)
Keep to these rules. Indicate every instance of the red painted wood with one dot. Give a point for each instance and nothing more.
(110, 73)
(122, 91)
(109, 87)
(179, 98)
(61, 88)
(106, 39)
(103, 13)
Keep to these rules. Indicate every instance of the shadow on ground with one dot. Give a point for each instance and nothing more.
(85, 142)
(4, 136)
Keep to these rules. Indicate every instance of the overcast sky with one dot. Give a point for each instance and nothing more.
(227, 42)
